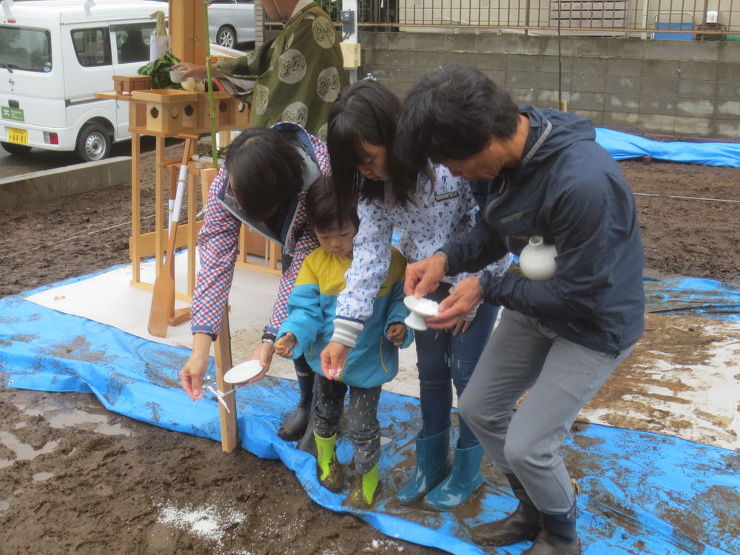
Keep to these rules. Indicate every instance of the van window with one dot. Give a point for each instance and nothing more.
(92, 46)
(132, 41)
(25, 48)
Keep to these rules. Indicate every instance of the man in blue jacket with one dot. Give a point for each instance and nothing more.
(540, 173)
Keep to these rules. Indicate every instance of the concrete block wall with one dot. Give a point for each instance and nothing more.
(664, 88)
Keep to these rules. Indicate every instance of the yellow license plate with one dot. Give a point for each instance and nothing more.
(19, 136)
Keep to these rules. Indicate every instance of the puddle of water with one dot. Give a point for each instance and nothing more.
(78, 417)
(64, 411)
(23, 451)
(41, 476)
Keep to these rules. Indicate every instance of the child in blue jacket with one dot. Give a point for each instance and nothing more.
(374, 360)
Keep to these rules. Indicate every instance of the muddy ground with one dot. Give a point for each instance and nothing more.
(90, 481)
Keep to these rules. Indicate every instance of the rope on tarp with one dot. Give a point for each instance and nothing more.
(712, 308)
(682, 197)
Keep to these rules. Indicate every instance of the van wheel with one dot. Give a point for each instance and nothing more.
(226, 36)
(93, 143)
(13, 148)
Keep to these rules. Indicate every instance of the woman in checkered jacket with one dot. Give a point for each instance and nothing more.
(263, 185)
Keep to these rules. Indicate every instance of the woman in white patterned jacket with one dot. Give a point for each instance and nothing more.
(431, 209)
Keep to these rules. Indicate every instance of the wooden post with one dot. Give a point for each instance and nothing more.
(207, 175)
(135, 202)
(186, 31)
(229, 439)
(192, 229)
(160, 237)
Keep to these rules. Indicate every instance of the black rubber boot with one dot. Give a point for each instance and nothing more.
(558, 535)
(522, 524)
(294, 426)
(307, 443)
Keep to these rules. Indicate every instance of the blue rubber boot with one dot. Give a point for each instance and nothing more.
(432, 465)
(460, 483)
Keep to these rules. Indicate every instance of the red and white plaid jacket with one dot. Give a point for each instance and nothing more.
(218, 244)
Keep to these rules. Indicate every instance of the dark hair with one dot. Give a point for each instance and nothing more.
(321, 207)
(365, 111)
(265, 171)
(453, 113)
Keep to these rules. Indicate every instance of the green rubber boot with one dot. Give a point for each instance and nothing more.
(365, 492)
(327, 467)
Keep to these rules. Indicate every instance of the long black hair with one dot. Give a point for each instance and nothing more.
(365, 111)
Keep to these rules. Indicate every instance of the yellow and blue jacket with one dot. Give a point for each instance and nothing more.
(312, 309)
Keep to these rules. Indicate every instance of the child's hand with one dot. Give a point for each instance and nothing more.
(396, 333)
(333, 374)
(284, 345)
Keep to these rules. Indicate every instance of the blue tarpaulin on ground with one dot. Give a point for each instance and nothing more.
(642, 492)
(686, 296)
(623, 145)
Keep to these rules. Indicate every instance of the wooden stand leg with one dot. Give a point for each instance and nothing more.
(179, 316)
(229, 439)
(207, 176)
(160, 239)
(135, 203)
(192, 230)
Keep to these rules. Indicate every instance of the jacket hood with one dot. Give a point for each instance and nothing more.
(311, 172)
(551, 131)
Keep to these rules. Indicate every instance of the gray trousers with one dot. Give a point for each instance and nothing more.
(563, 377)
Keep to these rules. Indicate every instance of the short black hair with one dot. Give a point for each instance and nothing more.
(366, 111)
(265, 171)
(321, 207)
(452, 114)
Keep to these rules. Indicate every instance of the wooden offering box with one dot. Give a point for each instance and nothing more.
(231, 113)
(126, 84)
(162, 111)
(169, 112)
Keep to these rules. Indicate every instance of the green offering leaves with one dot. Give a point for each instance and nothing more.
(159, 70)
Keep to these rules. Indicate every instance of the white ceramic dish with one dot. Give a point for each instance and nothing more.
(176, 75)
(243, 372)
(421, 309)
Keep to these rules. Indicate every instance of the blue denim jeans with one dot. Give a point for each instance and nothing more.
(444, 360)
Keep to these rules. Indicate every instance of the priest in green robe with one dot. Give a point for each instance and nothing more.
(295, 76)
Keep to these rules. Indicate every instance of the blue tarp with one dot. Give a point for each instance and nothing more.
(686, 296)
(642, 492)
(623, 145)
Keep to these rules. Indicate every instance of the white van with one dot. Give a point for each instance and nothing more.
(54, 56)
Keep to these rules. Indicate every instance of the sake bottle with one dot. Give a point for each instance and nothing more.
(537, 260)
